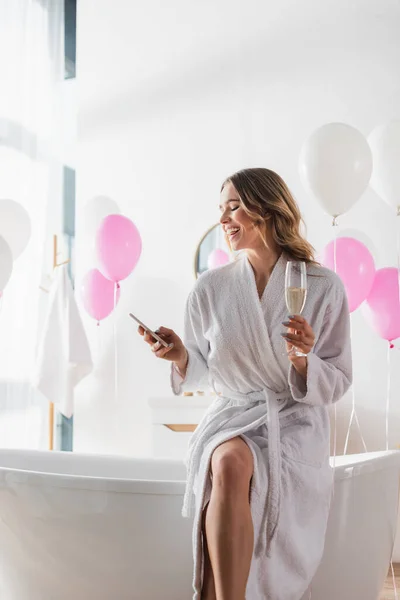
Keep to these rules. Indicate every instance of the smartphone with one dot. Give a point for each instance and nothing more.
(152, 333)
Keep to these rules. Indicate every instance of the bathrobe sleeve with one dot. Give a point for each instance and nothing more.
(197, 347)
(329, 372)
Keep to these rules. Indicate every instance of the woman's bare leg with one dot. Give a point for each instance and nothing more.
(228, 522)
(208, 589)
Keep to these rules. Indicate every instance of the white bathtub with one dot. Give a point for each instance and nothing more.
(361, 528)
(109, 528)
(76, 527)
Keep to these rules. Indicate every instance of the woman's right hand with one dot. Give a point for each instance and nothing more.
(176, 352)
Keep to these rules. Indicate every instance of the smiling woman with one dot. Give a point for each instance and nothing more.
(263, 446)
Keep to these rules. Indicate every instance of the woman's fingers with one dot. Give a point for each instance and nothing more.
(148, 338)
(299, 324)
(167, 334)
(159, 350)
(298, 336)
(298, 345)
(297, 318)
(300, 332)
(300, 342)
(302, 348)
(296, 339)
(165, 330)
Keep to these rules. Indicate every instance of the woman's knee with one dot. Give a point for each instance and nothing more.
(232, 464)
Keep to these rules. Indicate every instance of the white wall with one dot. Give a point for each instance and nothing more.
(175, 97)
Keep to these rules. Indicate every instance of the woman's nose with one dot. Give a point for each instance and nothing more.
(224, 218)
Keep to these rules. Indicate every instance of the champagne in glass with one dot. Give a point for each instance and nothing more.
(295, 299)
(296, 290)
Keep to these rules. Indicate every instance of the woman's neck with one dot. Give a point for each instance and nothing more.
(263, 261)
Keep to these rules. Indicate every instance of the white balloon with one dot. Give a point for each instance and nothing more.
(94, 212)
(385, 145)
(15, 226)
(336, 165)
(6, 263)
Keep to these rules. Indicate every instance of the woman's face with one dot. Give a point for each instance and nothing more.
(242, 232)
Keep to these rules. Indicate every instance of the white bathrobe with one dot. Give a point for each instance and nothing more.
(234, 342)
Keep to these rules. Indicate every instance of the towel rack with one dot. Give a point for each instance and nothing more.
(51, 404)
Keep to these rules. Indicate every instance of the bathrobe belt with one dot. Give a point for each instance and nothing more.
(234, 422)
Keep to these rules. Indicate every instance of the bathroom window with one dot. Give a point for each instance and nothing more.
(32, 68)
(70, 38)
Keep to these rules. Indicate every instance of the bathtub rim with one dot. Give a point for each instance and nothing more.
(354, 465)
(14, 477)
(10, 476)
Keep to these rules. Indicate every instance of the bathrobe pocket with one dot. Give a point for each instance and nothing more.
(304, 441)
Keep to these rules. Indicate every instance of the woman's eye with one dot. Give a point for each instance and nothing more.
(234, 208)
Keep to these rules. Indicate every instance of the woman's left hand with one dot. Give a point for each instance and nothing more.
(300, 336)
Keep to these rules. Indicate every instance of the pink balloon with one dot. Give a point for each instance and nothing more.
(354, 265)
(118, 247)
(98, 294)
(382, 307)
(217, 258)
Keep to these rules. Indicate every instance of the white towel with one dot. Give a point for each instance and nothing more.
(64, 357)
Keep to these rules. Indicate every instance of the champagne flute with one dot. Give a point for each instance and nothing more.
(295, 291)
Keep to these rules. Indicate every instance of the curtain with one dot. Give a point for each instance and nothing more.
(31, 69)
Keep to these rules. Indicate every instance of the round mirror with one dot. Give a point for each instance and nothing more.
(212, 251)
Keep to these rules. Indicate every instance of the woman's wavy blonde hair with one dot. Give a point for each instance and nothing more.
(268, 201)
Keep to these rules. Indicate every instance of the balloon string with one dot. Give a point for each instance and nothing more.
(389, 369)
(388, 395)
(398, 250)
(334, 225)
(99, 343)
(353, 416)
(390, 346)
(115, 343)
(394, 581)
